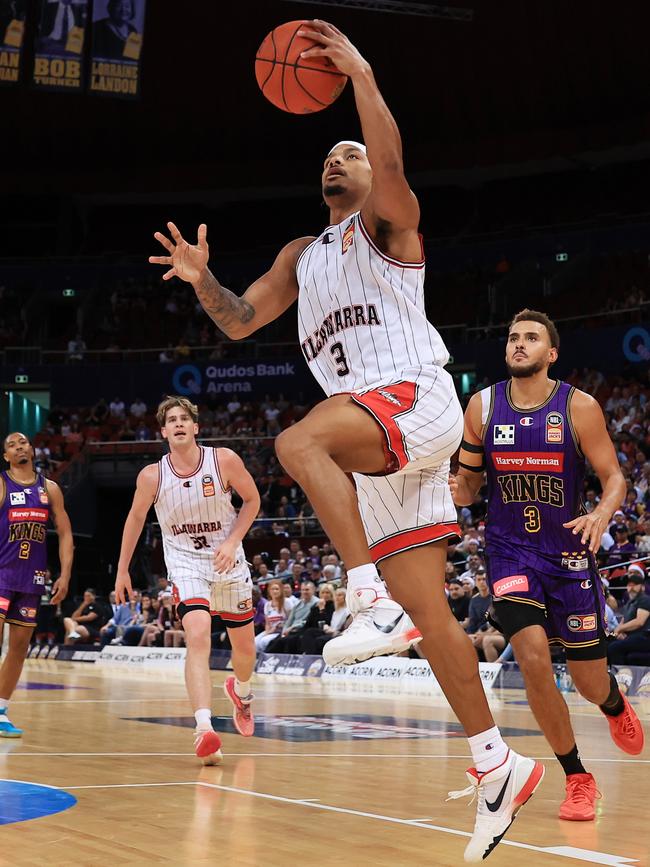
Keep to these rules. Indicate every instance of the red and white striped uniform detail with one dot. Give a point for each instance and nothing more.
(196, 514)
(363, 331)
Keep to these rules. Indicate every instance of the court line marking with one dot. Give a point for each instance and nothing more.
(12, 754)
(561, 851)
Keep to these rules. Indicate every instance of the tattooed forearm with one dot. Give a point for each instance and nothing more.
(227, 310)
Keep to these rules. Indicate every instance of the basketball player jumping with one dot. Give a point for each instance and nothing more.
(532, 435)
(392, 418)
(27, 501)
(190, 489)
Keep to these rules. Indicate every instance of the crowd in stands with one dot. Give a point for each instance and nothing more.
(312, 578)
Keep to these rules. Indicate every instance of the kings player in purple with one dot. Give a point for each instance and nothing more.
(27, 502)
(532, 434)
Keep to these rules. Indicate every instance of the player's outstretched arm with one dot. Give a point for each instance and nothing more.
(391, 199)
(66, 543)
(235, 475)
(238, 317)
(596, 445)
(467, 482)
(145, 493)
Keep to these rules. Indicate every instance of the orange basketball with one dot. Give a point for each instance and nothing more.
(297, 85)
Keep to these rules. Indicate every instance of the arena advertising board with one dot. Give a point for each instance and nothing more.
(117, 35)
(143, 657)
(59, 45)
(12, 37)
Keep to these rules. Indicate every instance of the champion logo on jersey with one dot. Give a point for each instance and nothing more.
(348, 237)
(328, 238)
(526, 421)
(555, 428)
(389, 397)
(504, 435)
(187, 484)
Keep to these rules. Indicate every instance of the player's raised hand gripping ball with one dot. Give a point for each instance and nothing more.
(299, 85)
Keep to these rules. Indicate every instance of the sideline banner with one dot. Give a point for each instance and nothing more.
(12, 34)
(58, 50)
(143, 657)
(118, 27)
(406, 675)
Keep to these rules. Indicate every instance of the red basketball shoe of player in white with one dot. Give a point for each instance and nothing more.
(501, 793)
(380, 626)
(242, 715)
(207, 746)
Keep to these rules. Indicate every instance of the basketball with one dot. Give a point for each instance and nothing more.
(291, 83)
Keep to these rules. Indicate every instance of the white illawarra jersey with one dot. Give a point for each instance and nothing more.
(195, 514)
(361, 316)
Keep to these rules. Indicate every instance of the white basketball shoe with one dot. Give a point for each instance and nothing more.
(501, 792)
(380, 626)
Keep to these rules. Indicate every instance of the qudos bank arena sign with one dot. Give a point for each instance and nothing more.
(245, 378)
(636, 344)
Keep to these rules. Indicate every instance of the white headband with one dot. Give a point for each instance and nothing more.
(354, 144)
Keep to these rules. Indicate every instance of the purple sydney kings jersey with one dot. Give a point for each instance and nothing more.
(535, 473)
(24, 514)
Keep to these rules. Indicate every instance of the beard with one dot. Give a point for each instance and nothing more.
(333, 190)
(23, 460)
(524, 372)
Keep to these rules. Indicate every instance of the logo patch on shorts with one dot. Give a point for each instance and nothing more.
(4, 604)
(29, 613)
(511, 584)
(208, 486)
(246, 605)
(581, 622)
(555, 428)
(389, 396)
(504, 435)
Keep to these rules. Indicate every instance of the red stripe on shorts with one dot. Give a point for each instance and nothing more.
(412, 539)
(227, 615)
(386, 404)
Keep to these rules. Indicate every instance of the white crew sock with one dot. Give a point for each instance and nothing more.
(488, 749)
(366, 576)
(243, 688)
(203, 717)
(4, 706)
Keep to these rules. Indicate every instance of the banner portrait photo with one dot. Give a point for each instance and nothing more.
(117, 35)
(59, 43)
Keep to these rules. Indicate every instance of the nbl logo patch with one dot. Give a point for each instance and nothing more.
(581, 622)
(554, 428)
(504, 435)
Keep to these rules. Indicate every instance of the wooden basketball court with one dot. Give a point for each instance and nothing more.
(334, 776)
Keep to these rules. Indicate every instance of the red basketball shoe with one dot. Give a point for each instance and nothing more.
(626, 729)
(207, 746)
(581, 797)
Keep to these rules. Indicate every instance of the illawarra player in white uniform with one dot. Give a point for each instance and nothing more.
(391, 418)
(202, 539)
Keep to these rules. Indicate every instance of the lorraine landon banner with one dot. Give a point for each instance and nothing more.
(58, 50)
(118, 27)
(12, 32)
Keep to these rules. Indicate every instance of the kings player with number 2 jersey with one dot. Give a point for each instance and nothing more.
(531, 435)
(373, 457)
(28, 501)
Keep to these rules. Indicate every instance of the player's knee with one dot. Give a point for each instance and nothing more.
(534, 663)
(292, 448)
